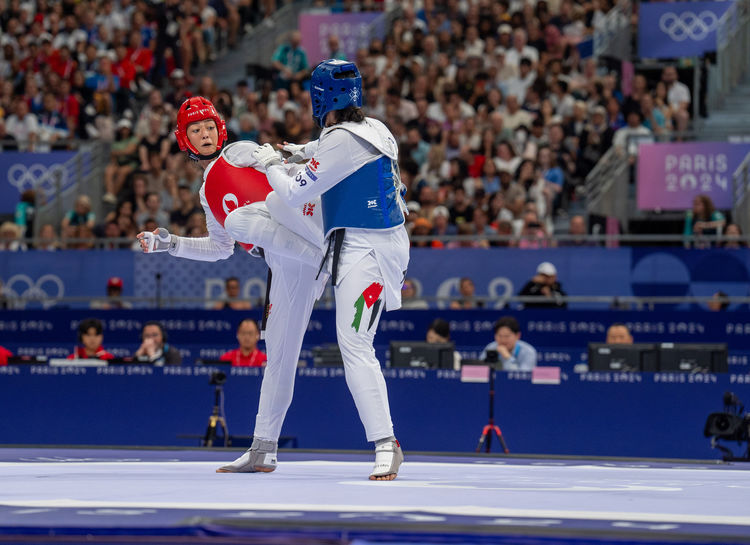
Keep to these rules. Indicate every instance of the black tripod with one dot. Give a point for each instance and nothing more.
(217, 418)
(486, 437)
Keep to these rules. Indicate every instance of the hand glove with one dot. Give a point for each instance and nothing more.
(266, 155)
(296, 153)
(160, 241)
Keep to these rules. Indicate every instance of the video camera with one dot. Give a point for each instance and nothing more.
(731, 425)
(218, 378)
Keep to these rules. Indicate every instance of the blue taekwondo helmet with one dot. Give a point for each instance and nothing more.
(334, 85)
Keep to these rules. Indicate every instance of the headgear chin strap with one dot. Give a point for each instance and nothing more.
(193, 110)
(334, 85)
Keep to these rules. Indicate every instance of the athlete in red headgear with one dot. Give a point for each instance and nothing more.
(235, 197)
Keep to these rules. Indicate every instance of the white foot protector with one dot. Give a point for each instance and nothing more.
(260, 457)
(388, 458)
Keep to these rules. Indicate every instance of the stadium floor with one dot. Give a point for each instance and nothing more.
(56, 495)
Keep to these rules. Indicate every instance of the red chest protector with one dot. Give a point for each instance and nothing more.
(228, 187)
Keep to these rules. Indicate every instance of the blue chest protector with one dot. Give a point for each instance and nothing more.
(366, 199)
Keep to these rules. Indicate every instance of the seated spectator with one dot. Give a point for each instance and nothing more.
(153, 211)
(577, 232)
(439, 331)
(290, 61)
(10, 237)
(185, 207)
(4, 355)
(719, 301)
(628, 137)
(114, 296)
(678, 98)
(247, 354)
(23, 125)
(734, 233)
(7, 141)
(123, 160)
(154, 348)
(48, 241)
(409, 299)
(90, 337)
(513, 354)
(545, 288)
(81, 214)
(618, 333)
(232, 300)
(703, 220)
(468, 298)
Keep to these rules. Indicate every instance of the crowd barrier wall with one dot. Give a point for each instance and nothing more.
(496, 272)
(588, 414)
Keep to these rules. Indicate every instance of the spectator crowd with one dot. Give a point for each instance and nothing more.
(499, 114)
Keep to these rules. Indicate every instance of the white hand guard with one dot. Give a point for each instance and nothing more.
(267, 156)
(296, 153)
(160, 242)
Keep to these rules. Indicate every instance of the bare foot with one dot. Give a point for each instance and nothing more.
(388, 477)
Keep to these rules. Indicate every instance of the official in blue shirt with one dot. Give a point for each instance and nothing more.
(513, 353)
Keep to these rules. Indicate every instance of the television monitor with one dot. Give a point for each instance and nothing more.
(634, 357)
(694, 357)
(422, 354)
(327, 355)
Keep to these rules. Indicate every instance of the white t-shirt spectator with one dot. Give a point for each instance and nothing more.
(513, 56)
(22, 129)
(677, 94)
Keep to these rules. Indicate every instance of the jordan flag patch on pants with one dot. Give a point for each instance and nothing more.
(370, 298)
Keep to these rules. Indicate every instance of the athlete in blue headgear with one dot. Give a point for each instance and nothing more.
(353, 168)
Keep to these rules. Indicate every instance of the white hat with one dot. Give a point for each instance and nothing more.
(440, 210)
(505, 28)
(177, 73)
(546, 268)
(413, 206)
(124, 123)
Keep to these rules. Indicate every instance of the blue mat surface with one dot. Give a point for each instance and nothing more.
(316, 497)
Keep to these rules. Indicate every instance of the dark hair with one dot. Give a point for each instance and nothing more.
(620, 324)
(228, 280)
(507, 321)
(86, 324)
(723, 300)
(157, 324)
(251, 320)
(350, 113)
(441, 327)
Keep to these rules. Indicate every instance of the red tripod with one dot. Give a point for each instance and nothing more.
(486, 437)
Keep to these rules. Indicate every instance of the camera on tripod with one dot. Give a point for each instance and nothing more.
(217, 378)
(731, 425)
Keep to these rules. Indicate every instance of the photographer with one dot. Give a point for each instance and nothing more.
(511, 352)
(545, 287)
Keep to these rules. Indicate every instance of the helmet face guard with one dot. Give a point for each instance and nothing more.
(334, 85)
(193, 110)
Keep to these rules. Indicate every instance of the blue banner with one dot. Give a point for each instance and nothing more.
(678, 29)
(41, 171)
(497, 272)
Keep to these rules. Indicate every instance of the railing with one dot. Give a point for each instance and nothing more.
(82, 174)
(732, 52)
(607, 186)
(741, 195)
(615, 302)
(613, 38)
(496, 241)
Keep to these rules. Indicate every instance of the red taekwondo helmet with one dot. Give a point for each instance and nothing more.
(193, 110)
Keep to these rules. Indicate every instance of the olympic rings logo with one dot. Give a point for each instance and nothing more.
(37, 176)
(688, 25)
(21, 286)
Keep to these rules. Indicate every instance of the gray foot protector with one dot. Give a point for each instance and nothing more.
(260, 457)
(388, 458)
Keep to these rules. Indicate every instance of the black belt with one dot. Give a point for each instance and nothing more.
(335, 243)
